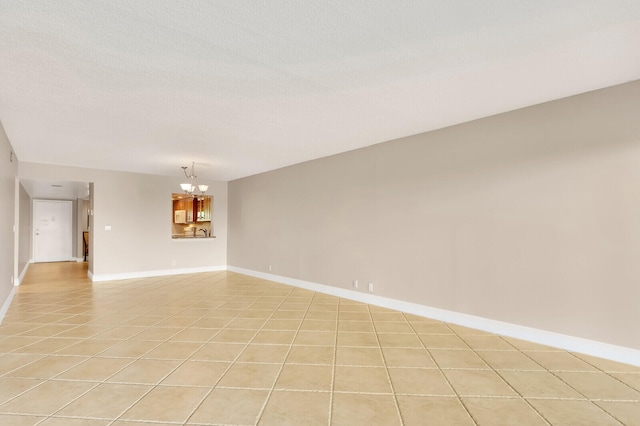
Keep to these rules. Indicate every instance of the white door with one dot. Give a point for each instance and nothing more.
(52, 230)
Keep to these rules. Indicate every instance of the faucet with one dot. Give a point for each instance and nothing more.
(203, 230)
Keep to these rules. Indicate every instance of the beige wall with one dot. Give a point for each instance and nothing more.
(24, 242)
(8, 173)
(138, 209)
(530, 217)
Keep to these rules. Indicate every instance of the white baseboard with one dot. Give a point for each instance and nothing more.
(23, 273)
(5, 306)
(157, 273)
(570, 343)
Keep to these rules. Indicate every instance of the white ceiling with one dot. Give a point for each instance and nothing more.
(243, 87)
(56, 190)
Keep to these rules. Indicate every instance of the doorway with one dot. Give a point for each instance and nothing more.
(53, 230)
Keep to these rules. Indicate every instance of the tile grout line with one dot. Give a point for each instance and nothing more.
(553, 373)
(246, 345)
(526, 401)
(97, 383)
(334, 360)
(424, 346)
(104, 381)
(140, 357)
(297, 331)
(231, 363)
(386, 369)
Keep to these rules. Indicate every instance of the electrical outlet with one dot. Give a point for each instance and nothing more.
(355, 283)
(269, 268)
(371, 287)
(173, 262)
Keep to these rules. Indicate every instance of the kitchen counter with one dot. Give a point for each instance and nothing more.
(190, 237)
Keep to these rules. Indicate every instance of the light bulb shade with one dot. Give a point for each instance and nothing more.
(187, 187)
(203, 188)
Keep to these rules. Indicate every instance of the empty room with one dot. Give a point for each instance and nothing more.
(332, 213)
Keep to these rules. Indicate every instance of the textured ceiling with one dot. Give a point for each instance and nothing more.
(56, 190)
(243, 87)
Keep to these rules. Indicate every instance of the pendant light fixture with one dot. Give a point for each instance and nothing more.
(190, 187)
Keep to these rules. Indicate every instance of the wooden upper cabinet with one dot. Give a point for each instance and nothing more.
(196, 209)
(202, 207)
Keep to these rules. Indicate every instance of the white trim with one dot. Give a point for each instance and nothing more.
(23, 273)
(6, 304)
(158, 273)
(90, 275)
(570, 343)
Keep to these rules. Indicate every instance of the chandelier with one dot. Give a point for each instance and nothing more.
(190, 187)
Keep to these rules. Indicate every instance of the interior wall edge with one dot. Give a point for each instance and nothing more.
(23, 272)
(6, 304)
(9, 195)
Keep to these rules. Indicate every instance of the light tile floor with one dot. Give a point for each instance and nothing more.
(223, 348)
